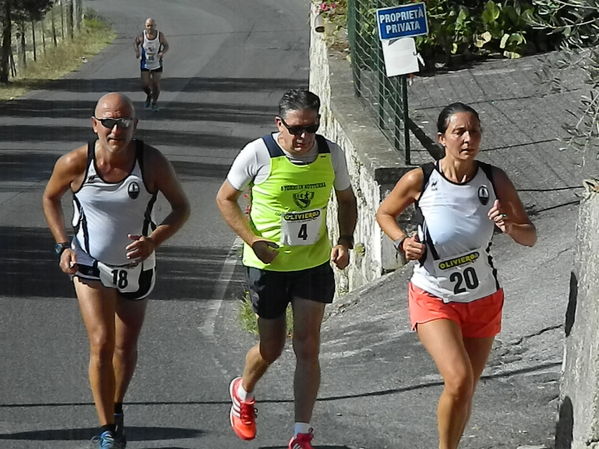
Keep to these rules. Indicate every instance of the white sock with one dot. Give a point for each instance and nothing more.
(244, 395)
(302, 427)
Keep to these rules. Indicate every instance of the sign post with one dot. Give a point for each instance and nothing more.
(397, 26)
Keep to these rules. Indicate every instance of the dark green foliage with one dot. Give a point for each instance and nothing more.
(30, 9)
(478, 29)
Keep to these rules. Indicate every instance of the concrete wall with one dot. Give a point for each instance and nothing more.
(374, 165)
(578, 421)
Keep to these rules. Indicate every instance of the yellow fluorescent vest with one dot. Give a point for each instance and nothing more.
(290, 207)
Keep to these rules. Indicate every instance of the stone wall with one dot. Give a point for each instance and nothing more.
(374, 165)
(578, 421)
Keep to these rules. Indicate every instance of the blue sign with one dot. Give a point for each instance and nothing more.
(402, 21)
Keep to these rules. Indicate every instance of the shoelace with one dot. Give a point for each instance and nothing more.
(106, 441)
(301, 438)
(247, 412)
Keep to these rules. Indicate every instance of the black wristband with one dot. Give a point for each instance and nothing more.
(348, 239)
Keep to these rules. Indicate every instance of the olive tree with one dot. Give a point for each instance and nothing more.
(577, 23)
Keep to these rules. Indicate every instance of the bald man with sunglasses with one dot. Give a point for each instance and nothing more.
(287, 252)
(115, 180)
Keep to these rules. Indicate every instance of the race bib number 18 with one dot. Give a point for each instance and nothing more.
(123, 278)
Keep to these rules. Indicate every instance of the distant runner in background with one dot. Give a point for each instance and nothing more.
(150, 46)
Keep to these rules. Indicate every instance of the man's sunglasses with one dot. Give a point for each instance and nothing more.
(109, 123)
(299, 130)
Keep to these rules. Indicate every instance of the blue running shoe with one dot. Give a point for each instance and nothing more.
(105, 441)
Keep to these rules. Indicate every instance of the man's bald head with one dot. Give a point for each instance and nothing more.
(150, 21)
(113, 101)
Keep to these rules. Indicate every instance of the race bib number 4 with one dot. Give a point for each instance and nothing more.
(301, 228)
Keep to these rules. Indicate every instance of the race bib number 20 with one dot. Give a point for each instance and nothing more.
(459, 274)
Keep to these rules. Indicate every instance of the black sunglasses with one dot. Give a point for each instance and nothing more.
(109, 123)
(299, 130)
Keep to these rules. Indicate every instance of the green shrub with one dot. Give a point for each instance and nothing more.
(474, 29)
(477, 30)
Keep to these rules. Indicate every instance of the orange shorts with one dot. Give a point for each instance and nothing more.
(477, 319)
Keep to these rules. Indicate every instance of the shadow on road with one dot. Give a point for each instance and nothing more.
(51, 133)
(315, 447)
(31, 166)
(191, 171)
(26, 166)
(174, 110)
(28, 268)
(78, 135)
(194, 271)
(172, 84)
(134, 433)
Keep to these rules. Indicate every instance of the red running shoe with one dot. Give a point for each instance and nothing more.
(302, 441)
(242, 414)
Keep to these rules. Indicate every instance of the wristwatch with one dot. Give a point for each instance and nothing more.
(60, 247)
(398, 244)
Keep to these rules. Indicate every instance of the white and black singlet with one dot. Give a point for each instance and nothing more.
(149, 52)
(457, 266)
(105, 213)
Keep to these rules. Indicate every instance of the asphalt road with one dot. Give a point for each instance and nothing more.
(229, 63)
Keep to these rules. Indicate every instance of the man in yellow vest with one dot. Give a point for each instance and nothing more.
(287, 252)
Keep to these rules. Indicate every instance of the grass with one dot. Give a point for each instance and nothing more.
(95, 35)
(248, 318)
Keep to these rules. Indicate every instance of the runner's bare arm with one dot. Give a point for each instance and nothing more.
(347, 216)
(164, 46)
(508, 212)
(227, 200)
(162, 178)
(68, 170)
(347, 212)
(136, 43)
(67, 173)
(406, 191)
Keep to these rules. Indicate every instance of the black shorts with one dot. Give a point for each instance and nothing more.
(272, 291)
(159, 70)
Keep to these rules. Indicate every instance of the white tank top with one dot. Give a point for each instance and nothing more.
(458, 266)
(150, 49)
(106, 212)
